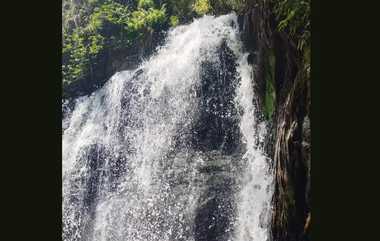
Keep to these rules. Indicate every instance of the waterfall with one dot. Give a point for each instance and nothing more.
(172, 150)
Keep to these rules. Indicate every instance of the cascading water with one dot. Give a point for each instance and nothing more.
(170, 151)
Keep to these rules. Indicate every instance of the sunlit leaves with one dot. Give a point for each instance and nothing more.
(202, 7)
(105, 25)
(174, 21)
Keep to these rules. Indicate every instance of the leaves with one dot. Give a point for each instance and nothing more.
(107, 25)
(145, 4)
(174, 21)
(96, 44)
(201, 7)
(145, 18)
(294, 18)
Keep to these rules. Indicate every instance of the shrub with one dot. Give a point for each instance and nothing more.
(202, 7)
(145, 4)
(174, 21)
(108, 23)
(293, 16)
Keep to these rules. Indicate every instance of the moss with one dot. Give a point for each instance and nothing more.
(270, 93)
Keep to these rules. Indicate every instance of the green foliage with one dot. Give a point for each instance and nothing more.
(108, 25)
(225, 6)
(181, 8)
(113, 12)
(202, 7)
(96, 44)
(110, 15)
(142, 18)
(145, 4)
(187, 9)
(294, 18)
(91, 27)
(238, 5)
(75, 50)
(173, 21)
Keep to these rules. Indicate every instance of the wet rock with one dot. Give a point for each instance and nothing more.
(217, 126)
(289, 142)
(215, 212)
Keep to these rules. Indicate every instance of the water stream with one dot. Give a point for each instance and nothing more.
(172, 150)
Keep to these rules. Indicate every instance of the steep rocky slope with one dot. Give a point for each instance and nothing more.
(279, 60)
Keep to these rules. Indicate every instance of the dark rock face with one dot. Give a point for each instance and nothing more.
(257, 42)
(215, 214)
(217, 131)
(88, 183)
(216, 206)
(217, 127)
(289, 143)
(88, 186)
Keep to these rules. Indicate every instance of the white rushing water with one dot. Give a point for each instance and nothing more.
(129, 172)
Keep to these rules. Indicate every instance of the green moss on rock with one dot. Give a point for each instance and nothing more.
(270, 93)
